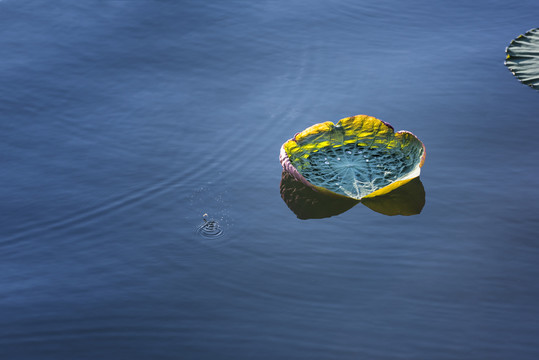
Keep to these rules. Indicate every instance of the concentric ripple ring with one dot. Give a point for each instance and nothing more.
(210, 229)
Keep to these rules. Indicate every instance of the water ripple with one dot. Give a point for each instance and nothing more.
(210, 229)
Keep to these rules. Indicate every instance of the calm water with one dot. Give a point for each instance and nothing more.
(123, 122)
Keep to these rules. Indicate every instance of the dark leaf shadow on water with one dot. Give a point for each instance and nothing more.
(307, 203)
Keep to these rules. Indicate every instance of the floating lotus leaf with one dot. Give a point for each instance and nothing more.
(358, 157)
(523, 58)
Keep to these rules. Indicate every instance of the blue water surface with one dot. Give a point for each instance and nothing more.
(124, 122)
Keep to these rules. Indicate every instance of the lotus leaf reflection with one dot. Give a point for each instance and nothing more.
(307, 203)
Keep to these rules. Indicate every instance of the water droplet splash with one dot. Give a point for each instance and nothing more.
(210, 228)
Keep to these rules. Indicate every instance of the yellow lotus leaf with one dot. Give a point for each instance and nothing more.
(358, 157)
